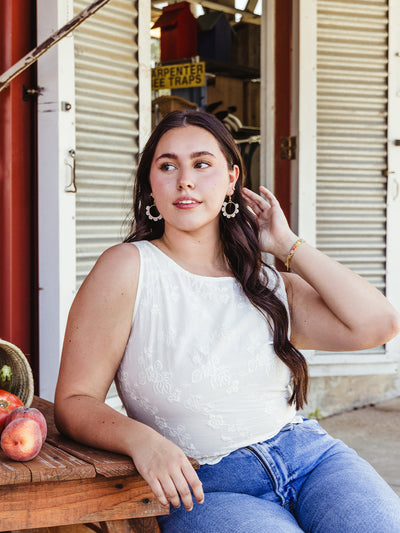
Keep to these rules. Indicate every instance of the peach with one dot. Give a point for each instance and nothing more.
(21, 440)
(29, 412)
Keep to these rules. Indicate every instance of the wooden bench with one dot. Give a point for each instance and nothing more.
(68, 483)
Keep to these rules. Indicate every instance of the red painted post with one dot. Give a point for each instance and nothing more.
(283, 103)
(17, 180)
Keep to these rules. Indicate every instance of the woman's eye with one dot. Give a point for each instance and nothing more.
(167, 166)
(201, 164)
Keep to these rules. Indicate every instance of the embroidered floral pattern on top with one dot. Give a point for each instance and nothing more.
(199, 366)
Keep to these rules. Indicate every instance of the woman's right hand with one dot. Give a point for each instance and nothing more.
(275, 235)
(167, 470)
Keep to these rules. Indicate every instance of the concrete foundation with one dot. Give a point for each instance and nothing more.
(331, 395)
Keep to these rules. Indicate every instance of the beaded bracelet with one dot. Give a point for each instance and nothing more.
(291, 253)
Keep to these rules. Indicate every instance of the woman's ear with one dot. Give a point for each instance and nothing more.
(233, 177)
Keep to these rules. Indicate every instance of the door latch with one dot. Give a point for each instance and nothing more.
(288, 148)
(71, 187)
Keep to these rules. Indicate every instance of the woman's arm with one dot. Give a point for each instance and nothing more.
(97, 331)
(332, 308)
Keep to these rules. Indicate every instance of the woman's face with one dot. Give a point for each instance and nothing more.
(190, 178)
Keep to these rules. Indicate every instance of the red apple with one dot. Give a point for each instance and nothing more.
(8, 402)
(29, 412)
(21, 440)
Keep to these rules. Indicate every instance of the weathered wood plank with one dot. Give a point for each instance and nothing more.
(13, 471)
(136, 525)
(53, 464)
(106, 463)
(48, 504)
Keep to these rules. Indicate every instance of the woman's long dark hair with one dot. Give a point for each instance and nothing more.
(239, 236)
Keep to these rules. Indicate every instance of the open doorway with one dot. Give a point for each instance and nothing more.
(222, 42)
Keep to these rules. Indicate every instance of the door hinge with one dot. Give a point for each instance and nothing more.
(288, 148)
(30, 92)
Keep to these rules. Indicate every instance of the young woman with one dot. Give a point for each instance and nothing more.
(203, 341)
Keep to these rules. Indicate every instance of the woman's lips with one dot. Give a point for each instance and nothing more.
(186, 203)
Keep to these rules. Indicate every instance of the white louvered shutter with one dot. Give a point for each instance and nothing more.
(352, 104)
(352, 85)
(106, 79)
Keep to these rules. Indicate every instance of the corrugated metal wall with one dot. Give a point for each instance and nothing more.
(352, 84)
(106, 77)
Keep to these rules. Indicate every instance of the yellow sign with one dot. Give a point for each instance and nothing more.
(178, 76)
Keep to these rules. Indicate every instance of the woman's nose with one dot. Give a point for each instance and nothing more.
(185, 181)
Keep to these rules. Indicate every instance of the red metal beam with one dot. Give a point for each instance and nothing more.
(17, 174)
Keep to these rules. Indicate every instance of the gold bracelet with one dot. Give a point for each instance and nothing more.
(291, 253)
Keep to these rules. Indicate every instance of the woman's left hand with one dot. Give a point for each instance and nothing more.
(275, 235)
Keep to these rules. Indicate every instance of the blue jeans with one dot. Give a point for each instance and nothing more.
(300, 480)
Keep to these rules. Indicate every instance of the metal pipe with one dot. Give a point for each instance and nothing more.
(54, 38)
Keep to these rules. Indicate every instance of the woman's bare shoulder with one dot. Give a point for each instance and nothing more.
(116, 272)
(121, 261)
(124, 252)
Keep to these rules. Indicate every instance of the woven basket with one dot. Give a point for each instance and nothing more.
(22, 378)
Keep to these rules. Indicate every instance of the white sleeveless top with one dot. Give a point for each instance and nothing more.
(199, 366)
